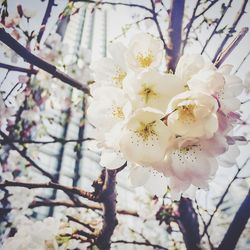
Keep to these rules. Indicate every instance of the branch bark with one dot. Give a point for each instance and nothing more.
(237, 226)
(225, 53)
(40, 63)
(175, 33)
(67, 189)
(231, 29)
(19, 69)
(108, 198)
(50, 5)
(189, 225)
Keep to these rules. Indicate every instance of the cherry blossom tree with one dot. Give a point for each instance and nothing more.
(166, 113)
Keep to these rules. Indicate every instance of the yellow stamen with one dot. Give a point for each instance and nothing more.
(118, 113)
(186, 113)
(147, 93)
(145, 60)
(146, 130)
(119, 77)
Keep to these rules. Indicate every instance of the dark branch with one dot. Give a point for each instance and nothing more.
(139, 243)
(67, 189)
(225, 53)
(19, 69)
(237, 226)
(40, 63)
(114, 4)
(27, 158)
(223, 197)
(189, 25)
(108, 199)
(50, 5)
(175, 33)
(217, 25)
(232, 29)
(49, 203)
(188, 224)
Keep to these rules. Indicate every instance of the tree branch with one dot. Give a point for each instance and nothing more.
(237, 226)
(139, 243)
(223, 197)
(50, 5)
(48, 203)
(19, 69)
(27, 158)
(189, 25)
(225, 53)
(114, 4)
(175, 33)
(217, 24)
(189, 225)
(108, 199)
(67, 189)
(40, 63)
(231, 29)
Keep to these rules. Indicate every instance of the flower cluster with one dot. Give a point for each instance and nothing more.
(172, 127)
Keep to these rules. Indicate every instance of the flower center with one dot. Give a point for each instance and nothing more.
(186, 113)
(119, 77)
(147, 93)
(117, 112)
(145, 131)
(144, 60)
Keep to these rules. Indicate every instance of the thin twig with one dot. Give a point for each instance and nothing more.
(114, 4)
(139, 243)
(243, 60)
(223, 197)
(50, 5)
(22, 153)
(40, 63)
(19, 69)
(73, 190)
(232, 29)
(189, 25)
(217, 24)
(225, 53)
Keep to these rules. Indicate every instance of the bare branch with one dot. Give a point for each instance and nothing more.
(189, 25)
(49, 203)
(19, 69)
(175, 33)
(108, 198)
(225, 53)
(67, 189)
(232, 29)
(114, 4)
(139, 243)
(223, 197)
(206, 9)
(217, 24)
(22, 153)
(237, 226)
(40, 63)
(242, 62)
(188, 224)
(50, 5)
